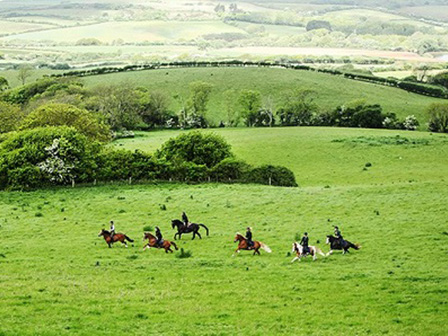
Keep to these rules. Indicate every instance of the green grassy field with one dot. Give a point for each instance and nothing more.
(331, 90)
(57, 277)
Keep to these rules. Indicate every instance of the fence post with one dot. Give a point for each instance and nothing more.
(270, 180)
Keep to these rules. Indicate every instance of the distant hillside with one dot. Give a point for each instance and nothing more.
(331, 90)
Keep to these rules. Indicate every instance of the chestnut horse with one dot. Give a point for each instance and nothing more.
(242, 245)
(298, 249)
(118, 237)
(152, 242)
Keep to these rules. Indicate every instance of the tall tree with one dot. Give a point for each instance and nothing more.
(250, 103)
(25, 71)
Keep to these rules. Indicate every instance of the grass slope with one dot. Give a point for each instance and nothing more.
(332, 90)
(322, 156)
(58, 278)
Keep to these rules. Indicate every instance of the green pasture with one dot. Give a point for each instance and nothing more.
(133, 31)
(11, 27)
(331, 90)
(57, 277)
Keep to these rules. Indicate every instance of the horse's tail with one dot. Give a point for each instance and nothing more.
(318, 250)
(174, 244)
(206, 228)
(265, 247)
(128, 239)
(354, 246)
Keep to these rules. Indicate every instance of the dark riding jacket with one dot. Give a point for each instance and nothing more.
(185, 218)
(159, 236)
(249, 237)
(338, 234)
(304, 243)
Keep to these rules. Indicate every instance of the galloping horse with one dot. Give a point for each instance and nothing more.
(182, 228)
(121, 237)
(298, 249)
(335, 245)
(152, 242)
(242, 245)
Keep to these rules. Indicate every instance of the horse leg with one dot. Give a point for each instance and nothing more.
(236, 251)
(194, 235)
(200, 237)
(296, 258)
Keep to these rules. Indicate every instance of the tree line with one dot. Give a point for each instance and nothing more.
(110, 111)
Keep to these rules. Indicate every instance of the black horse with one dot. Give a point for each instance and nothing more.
(182, 228)
(336, 245)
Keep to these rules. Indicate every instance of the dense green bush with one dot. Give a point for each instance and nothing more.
(438, 117)
(47, 155)
(10, 117)
(200, 148)
(22, 94)
(230, 170)
(272, 175)
(67, 115)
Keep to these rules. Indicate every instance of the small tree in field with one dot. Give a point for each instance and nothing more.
(438, 117)
(199, 97)
(25, 71)
(250, 102)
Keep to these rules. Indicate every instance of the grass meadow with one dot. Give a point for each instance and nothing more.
(331, 90)
(57, 277)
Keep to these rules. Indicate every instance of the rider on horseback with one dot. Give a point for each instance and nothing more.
(338, 235)
(304, 243)
(112, 229)
(250, 243)
(159, 237)
(185, 219)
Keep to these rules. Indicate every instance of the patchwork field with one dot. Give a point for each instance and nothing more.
(58, 277)
(331, 90)
(10, 27)
(154, 31)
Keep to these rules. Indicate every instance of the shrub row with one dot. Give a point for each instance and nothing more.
(419, 88)
(61, 155)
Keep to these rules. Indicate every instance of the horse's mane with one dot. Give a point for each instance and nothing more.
(105, 231)
(150, 234)
(239, 234)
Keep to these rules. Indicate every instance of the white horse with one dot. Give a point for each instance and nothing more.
(298, 249)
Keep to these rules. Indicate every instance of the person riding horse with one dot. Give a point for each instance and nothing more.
(185, 219)
(250, 243)
(159, 237)
(112, 229)
(304, 243)
(338, 235)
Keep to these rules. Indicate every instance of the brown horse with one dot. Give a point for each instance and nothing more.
(118, 237)
(242, 245)
(152, 242)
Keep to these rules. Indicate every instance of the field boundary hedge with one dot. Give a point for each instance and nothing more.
(418, 88)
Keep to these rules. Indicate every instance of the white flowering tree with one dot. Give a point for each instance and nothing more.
(58, 166)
